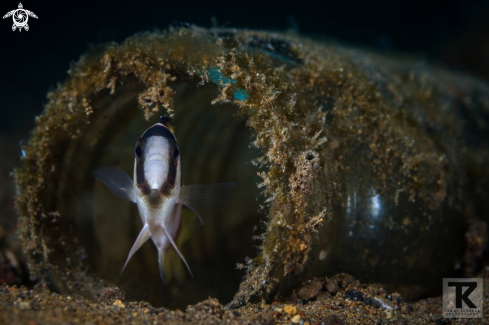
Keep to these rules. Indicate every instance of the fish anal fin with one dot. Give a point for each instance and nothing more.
(142, 238)
(176, 249)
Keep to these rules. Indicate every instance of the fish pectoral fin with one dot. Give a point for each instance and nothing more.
(207, 199)
(176, 249)
(142, 238)
(118, 182)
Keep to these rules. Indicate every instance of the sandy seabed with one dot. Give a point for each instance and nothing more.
(336, 300)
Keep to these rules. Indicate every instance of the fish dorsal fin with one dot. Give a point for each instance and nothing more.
(176, 249)
(166, 121)
(142, 238)
(207, 199)
(118, 182)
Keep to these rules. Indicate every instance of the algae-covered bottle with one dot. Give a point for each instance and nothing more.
(345, 160)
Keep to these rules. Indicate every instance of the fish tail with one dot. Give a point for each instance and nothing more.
(162, 261)
(178, 269)
(171, 266)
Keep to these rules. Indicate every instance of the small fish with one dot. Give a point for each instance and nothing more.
(158, 191)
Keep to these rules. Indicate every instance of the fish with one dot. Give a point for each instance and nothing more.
(159, 194)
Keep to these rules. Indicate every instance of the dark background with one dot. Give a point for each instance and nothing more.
(453, 33)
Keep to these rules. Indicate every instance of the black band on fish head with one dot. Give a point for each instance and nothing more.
(158, 130)
(141, 182)
(161, 131)
(138, 151)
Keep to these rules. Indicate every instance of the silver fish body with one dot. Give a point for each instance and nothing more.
(157, 190)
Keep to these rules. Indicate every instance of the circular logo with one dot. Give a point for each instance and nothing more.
(20, 17)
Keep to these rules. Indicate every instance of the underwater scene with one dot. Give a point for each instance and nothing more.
(244, 163)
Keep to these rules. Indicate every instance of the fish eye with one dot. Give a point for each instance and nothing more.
(175, 153)
(138, 152)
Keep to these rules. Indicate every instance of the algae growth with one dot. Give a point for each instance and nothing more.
(369, 165)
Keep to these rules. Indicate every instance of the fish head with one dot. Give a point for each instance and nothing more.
(157, 171)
